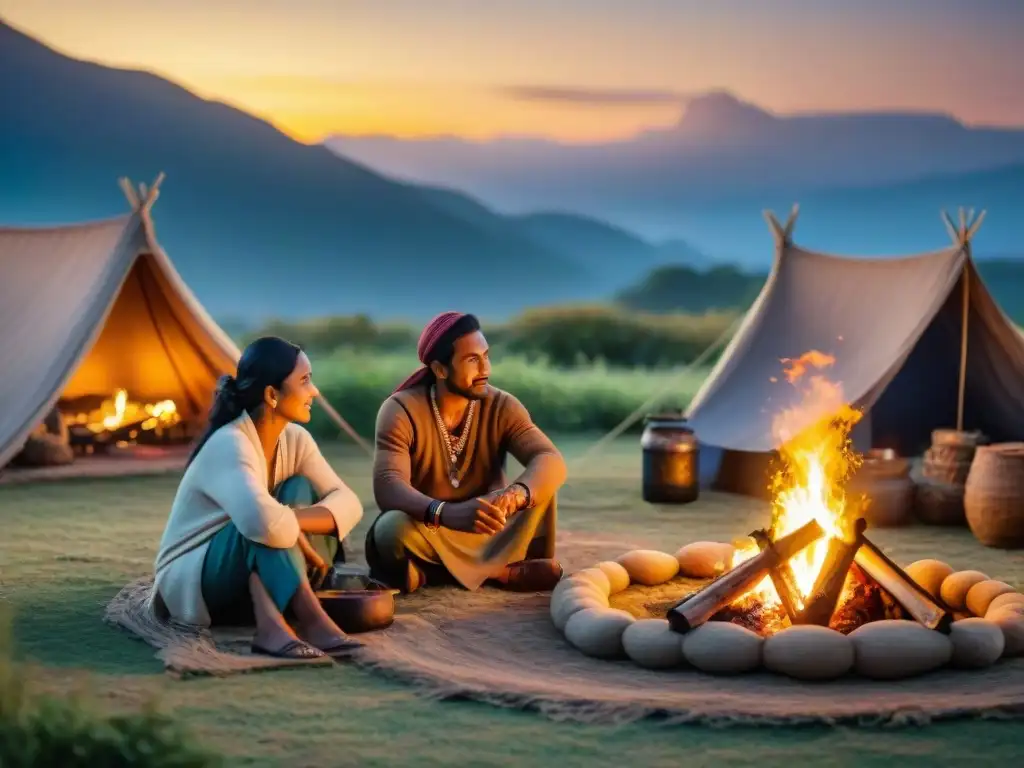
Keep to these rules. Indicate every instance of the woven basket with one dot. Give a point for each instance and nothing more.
(994, 495)
(947, 466)
(891, 500)
(937, 503)
(956, 437)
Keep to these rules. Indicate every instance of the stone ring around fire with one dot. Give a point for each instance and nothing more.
(988, 625)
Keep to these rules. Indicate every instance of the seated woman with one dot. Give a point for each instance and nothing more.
(256, 487)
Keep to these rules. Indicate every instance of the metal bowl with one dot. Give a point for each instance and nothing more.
(360, 610)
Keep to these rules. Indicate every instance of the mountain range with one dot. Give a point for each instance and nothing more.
(867, 183)
(261, 225)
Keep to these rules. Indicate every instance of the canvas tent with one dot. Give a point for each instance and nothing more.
(895, 327)
(89, 308)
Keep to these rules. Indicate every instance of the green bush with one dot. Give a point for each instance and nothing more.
(323, 335)
(675, 287)
(67, 732)
(571, 335)
(562, 336)
(586, 398)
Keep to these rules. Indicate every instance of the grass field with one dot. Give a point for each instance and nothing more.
(584, 398)
(66, 548)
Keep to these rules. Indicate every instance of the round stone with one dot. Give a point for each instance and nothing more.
(618, 577)
(1004, 600)
(650, 643)
(1012, 625)
(571, 582)
(977, 643)
(596, 577)
(981, 595)
(896, 648)
(597, 632)
(955, 587)
(1016, 608)
(648, 566)
(929, 574)
(565, 604)
(809, 652)
(723, 648)
(705, 559)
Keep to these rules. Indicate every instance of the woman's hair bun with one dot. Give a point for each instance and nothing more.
(227, 387)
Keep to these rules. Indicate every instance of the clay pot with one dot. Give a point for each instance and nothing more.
(938, 503)
(994, 495)
(360, 610)
(949, 458)
(884, 478)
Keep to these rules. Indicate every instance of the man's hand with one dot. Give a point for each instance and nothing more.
(473, 516)
(509, 500)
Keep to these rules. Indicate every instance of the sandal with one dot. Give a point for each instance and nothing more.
(344, 648)
(295, 649)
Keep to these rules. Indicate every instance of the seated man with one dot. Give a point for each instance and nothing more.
(439, 475)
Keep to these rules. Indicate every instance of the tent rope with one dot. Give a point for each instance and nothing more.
(637, 414)
(346, 427)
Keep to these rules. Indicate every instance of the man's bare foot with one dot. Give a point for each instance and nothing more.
(531, 575)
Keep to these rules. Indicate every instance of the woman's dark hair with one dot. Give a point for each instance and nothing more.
(444, 349)
(266, 362)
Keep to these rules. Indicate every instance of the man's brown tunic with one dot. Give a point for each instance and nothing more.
(410, 454)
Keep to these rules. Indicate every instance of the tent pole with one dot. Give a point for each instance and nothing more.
(965, 306)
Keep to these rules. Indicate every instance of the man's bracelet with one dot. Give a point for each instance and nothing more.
(432, 520)
(526, 490)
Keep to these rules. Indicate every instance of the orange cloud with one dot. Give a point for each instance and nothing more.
(310, 108)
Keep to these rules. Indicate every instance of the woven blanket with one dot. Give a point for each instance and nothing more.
(501, 647)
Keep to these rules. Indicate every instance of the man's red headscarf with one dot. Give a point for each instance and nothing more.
(432, 334)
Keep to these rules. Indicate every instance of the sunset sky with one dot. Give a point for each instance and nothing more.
(574, 70)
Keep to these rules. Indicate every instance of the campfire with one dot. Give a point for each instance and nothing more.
(121, 420)
(813, 564)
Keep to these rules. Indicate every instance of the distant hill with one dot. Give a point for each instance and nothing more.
(257, 223)
(1004, 278)
(708, 177)
(611, 255)
(679, 288)
(620, 253)
(684, 289)
(885, 220)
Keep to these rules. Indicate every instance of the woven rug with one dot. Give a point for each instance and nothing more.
(501, 648)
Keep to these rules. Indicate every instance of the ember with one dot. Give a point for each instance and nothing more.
(122, 420)
(120, 411)
(866, 601)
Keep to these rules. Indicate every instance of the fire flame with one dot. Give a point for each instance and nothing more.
(120, 411)
(816, 460)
